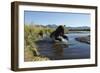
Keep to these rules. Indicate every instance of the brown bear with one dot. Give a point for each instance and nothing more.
(59, 32)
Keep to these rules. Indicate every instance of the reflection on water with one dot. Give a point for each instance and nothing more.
(58, 50)
(74, 49)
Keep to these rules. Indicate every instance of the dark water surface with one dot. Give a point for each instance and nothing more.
(75, 49)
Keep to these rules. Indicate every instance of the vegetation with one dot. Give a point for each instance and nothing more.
(32, 35)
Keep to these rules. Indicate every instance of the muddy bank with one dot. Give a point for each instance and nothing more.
(85, 39)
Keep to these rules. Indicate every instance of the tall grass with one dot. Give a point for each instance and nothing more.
(31, 35)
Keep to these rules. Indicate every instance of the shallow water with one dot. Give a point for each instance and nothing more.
(75, 49)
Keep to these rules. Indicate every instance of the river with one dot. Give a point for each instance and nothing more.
(75, 49)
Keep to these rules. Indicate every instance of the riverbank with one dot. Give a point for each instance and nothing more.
(85, 39)
(33, 55)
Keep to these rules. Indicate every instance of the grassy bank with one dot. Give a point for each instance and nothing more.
(31, 35)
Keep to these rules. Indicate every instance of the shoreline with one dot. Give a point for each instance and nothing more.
(33, 55)
(85, 39)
